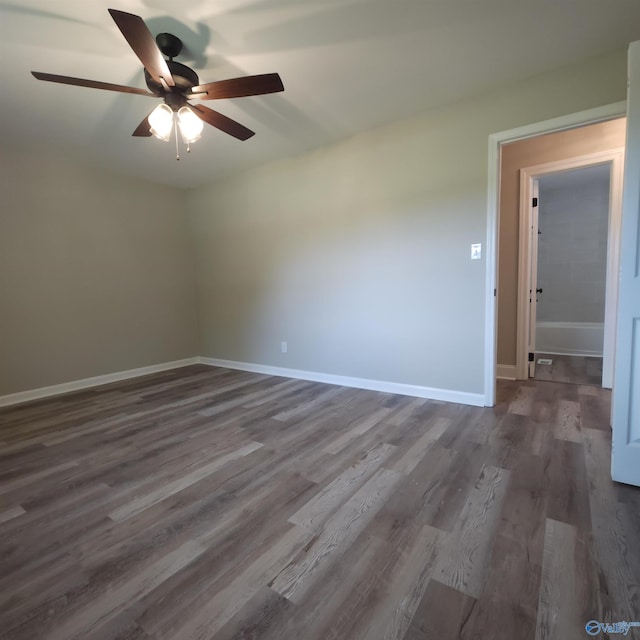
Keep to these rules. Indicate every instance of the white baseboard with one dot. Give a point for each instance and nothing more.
(506, 372)
(86, 383)
(445, 395)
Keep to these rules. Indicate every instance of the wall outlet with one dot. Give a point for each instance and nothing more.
(476, 251)
(283, 347)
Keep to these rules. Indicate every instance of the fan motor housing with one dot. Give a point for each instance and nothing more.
(183, 76)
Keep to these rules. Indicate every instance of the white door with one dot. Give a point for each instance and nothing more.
(533, 279)
(625, 459)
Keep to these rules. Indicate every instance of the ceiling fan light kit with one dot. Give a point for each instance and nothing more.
(175, 84)
(190, 125)
(161, 122)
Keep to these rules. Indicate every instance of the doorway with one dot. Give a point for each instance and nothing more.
(571, 274)
(570, 213)
(559, 140)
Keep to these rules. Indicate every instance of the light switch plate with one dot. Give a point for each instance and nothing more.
(476, 251)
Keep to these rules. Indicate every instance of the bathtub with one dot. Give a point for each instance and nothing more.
(570, 338)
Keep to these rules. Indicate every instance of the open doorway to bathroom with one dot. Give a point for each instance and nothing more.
(583, 198)
(572, 239)
(553, 157)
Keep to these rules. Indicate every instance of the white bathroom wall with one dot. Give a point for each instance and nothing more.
(572, 260)
(572, 245)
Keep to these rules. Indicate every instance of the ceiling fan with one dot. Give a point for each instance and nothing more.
(175, 84)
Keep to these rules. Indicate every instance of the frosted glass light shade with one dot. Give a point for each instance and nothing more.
(161, 122)
(190, 125)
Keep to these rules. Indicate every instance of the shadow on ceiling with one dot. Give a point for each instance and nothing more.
(194, 41)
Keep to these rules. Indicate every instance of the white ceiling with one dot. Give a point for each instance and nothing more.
(347, 66)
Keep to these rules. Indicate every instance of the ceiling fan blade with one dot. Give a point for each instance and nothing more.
(143, 130)
(239, 87)
(93, 84)
(221, 122)
(143, 44)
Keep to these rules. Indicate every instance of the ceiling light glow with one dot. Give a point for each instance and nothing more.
(190, 125)
(161, 122)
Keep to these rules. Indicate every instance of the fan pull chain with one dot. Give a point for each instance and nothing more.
(175, 128)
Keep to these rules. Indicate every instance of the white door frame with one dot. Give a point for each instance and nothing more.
(590, 116)
(532, 252)
(614, 158)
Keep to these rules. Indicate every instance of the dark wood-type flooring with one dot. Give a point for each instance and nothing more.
(570, 369)
(208, 504)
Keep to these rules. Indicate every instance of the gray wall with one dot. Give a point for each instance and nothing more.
(572, 248)
(95, 273)
(358, 254)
